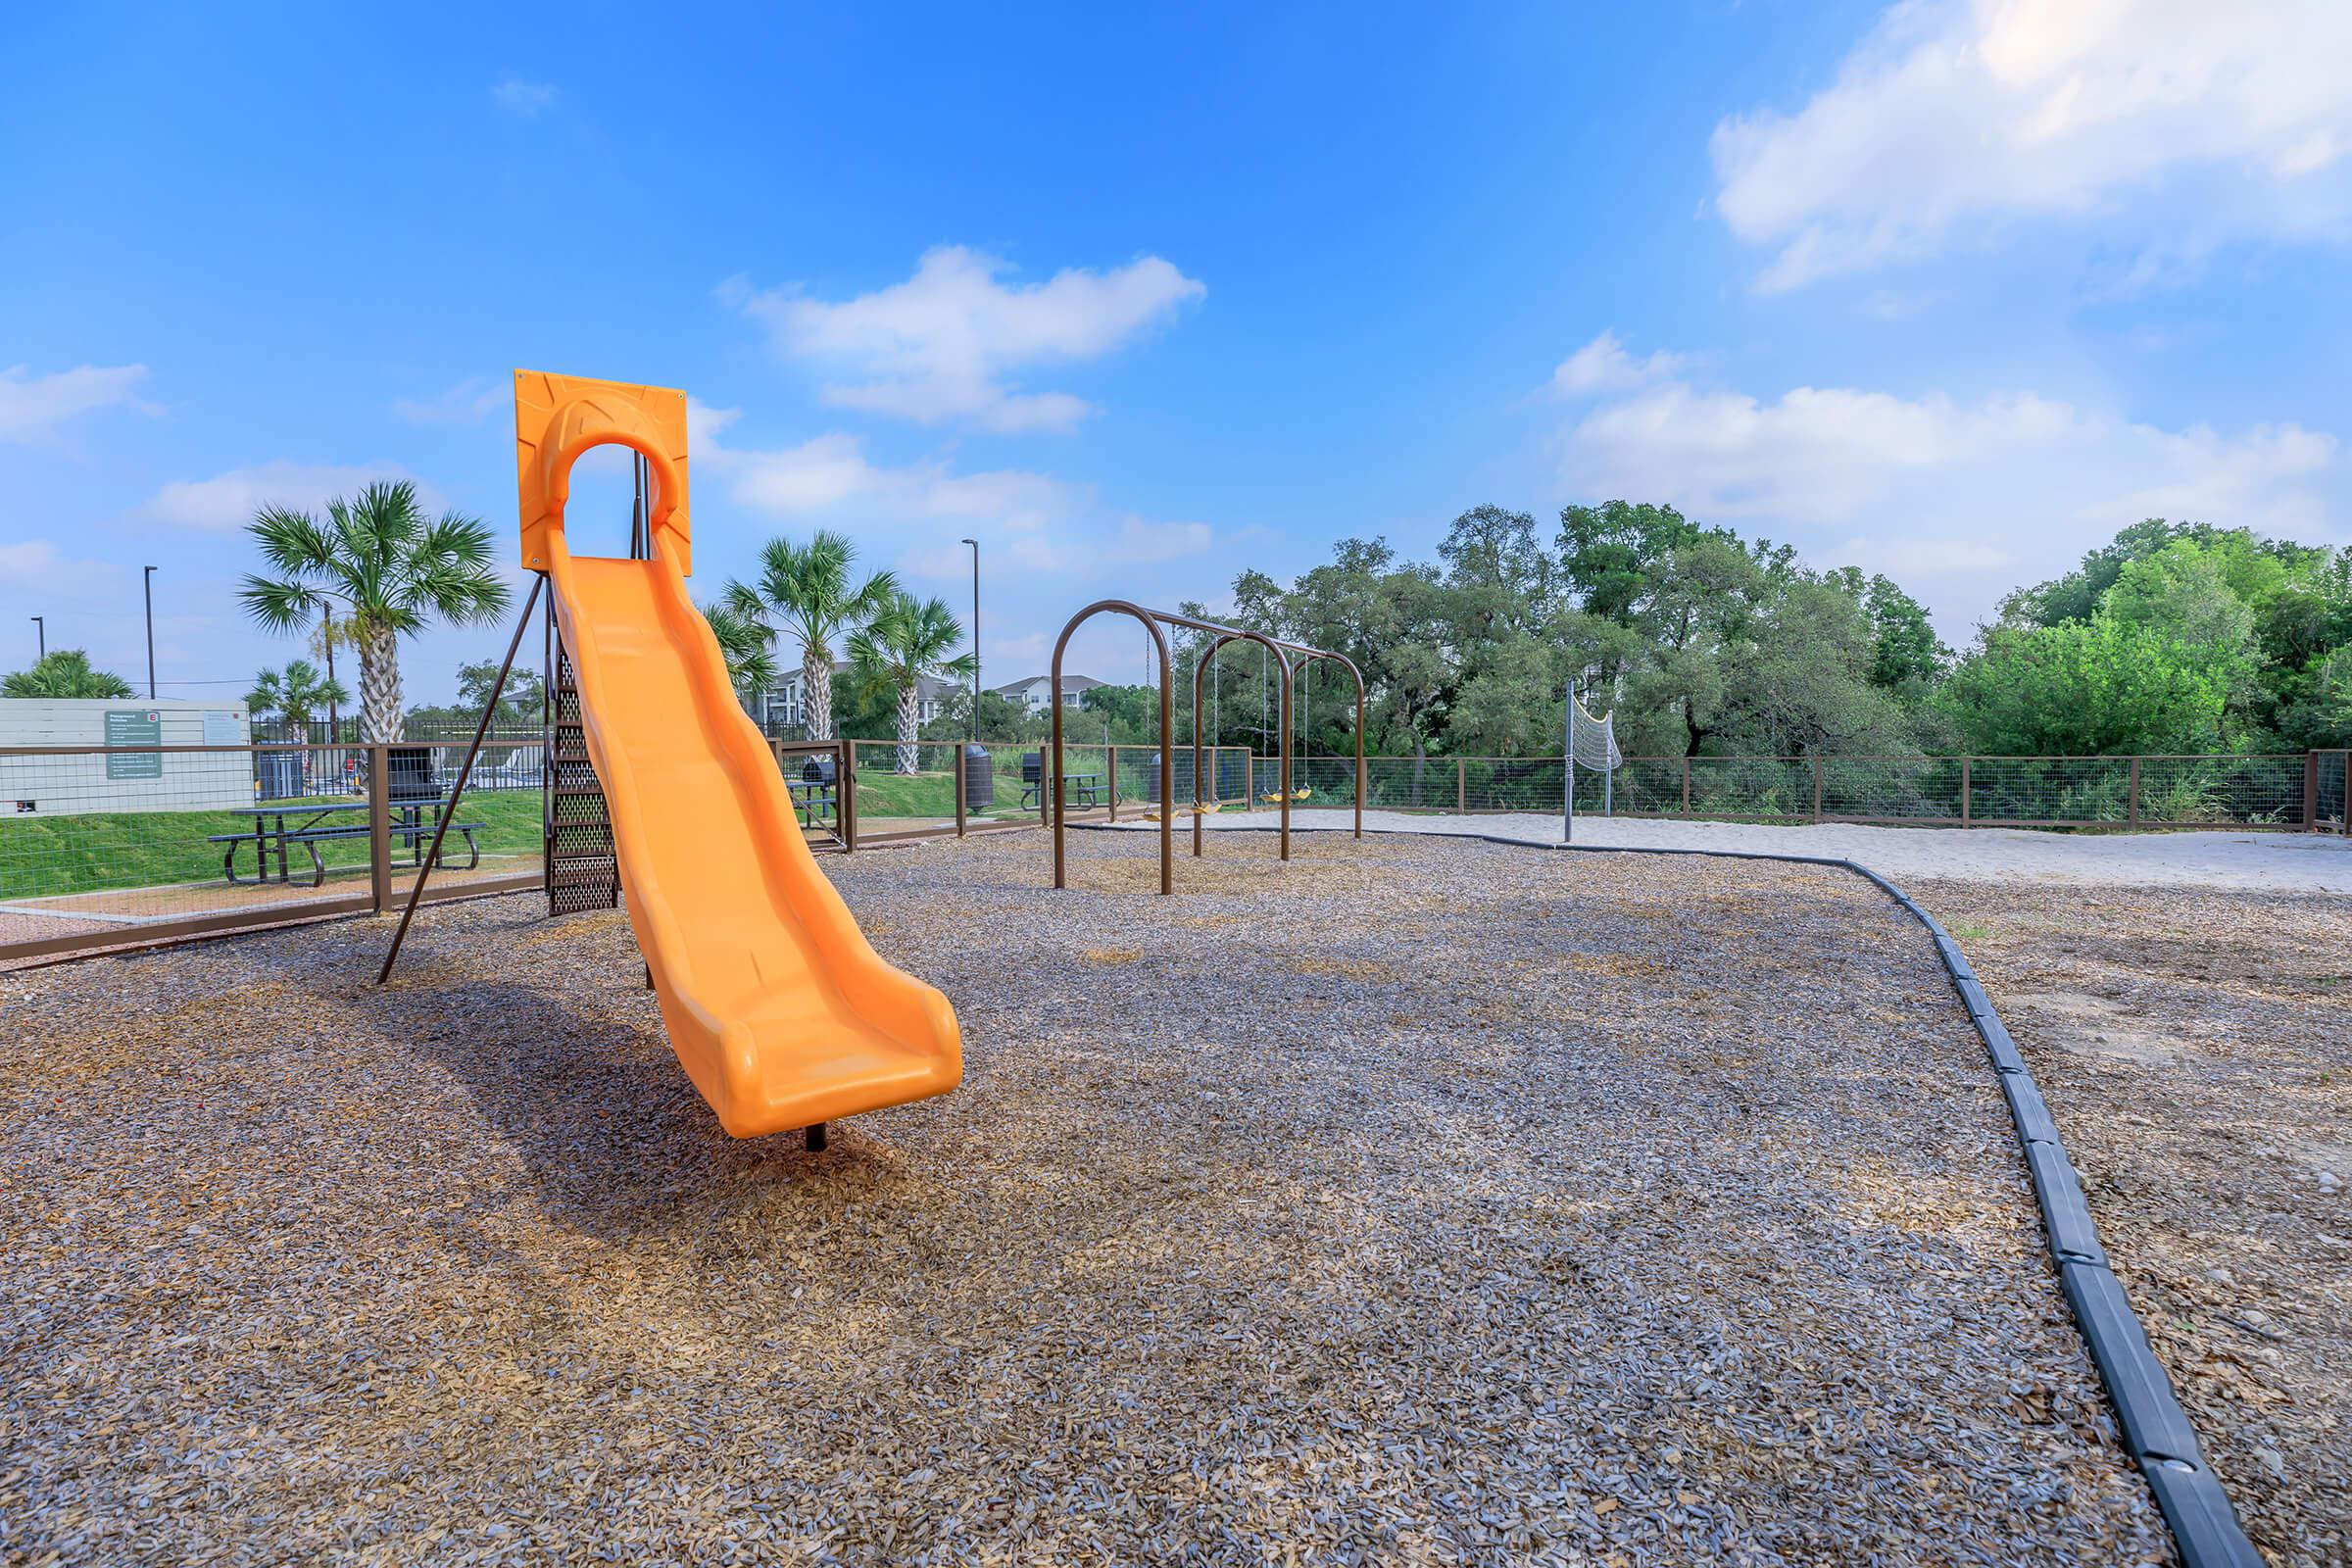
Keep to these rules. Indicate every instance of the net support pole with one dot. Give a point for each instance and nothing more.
(1568, 769)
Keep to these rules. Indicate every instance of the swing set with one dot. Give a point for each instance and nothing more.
(1288, 659)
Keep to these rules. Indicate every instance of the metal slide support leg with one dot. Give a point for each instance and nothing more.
(814, 1138)
(380, 761)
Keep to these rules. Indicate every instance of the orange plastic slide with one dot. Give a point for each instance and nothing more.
(779, 1008)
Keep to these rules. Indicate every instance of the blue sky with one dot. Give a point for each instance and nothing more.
(1141, 296)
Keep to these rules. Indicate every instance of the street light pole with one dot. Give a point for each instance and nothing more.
(975, 544)
(40, 629)
(147, 582)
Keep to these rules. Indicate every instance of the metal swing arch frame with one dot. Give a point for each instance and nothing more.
(1154, 620)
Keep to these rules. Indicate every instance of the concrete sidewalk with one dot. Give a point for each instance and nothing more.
(2279, 862)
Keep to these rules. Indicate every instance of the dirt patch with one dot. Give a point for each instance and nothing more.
(2194, 1047)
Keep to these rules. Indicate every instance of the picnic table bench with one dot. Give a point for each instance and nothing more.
(410, 825)
(1077, 789)
(818, 801)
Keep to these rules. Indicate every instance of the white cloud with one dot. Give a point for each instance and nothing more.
(1603, 365)
(1911, 558)
(524, 100)
(1952, 497)
(830, 471)
(228, 500)
(470, 402)
(38, 564)
(937, 346)
(1037, 521)
(1135, 542)
(816, 475)
(32, 407)
(1951, 116)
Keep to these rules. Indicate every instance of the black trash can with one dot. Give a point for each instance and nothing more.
(818, 769)
(979, 779)
(1155, 790)
(409, 774)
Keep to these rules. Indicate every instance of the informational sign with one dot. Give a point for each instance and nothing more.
(223, 727)
(133, 726)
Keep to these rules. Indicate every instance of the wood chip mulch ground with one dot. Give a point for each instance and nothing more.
(1416, 1202)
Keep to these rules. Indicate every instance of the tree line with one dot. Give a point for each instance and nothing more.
(2180, 637)
(2177, 637)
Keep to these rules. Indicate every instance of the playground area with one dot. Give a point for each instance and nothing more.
(1419, 1196)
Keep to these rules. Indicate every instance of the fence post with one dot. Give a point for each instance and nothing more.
(1817, 788)
(1462, 784)
(960, 789)
(2133, 809)
(1685, 786)
(1964, 784)
(2311, 792)
(379, 828)
(1113, 788)
(845, 765)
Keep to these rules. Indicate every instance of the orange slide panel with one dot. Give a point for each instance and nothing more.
(779, 1008)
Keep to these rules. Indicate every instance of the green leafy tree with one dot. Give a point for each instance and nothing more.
(291, 695)
(1399, 622)
(390, 570)
(809, 592)
(66, 672)
(519, 704)
(1509, 706)
(1000, 721)
(1907, 658)
(1614, 555)
(2254, 567)
(905, 642)
(2087, 688)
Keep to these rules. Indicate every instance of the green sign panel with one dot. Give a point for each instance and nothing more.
(134, 726)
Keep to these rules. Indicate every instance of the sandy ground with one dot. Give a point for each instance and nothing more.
(2255, 861)
(1410, 1202)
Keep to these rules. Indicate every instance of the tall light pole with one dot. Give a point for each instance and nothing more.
(975, 544)
(41, 630)
(147, 582)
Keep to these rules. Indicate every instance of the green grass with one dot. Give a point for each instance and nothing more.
(47, 855)
(883, 793)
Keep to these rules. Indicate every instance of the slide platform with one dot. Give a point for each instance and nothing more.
(779, 1008)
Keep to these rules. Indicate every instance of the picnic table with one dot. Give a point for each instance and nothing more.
(818, 803)
(1077, 789)
(318, 825)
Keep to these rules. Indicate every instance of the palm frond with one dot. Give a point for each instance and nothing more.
(280, 607)
(292, 541)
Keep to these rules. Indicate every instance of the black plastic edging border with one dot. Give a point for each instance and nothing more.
(2156, 1430)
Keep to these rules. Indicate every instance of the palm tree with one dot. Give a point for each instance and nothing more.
(332, 630)
(744, 642)
(907, 641)
(807, 590)
(293, 694)
(66, 673)
(390, 570)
